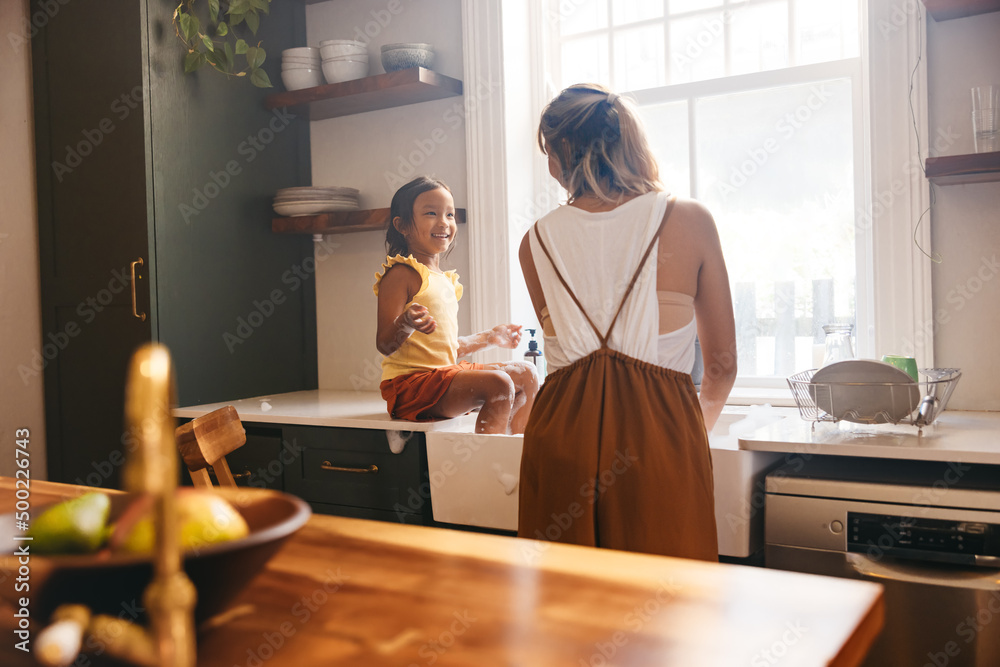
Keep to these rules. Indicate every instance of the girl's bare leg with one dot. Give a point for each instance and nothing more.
(492, 391)
(525, 379)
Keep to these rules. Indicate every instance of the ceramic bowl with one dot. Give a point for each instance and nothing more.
(336, 71)
(109, 583)
(357, 57)
(404, 56)
(353, 48)
(299, 59)
(299, 78)
(301, 52)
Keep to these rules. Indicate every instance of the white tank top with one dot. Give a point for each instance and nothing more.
(597, 253)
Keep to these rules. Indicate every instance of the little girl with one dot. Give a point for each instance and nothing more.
(422, 378)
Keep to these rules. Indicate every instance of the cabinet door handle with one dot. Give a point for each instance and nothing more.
(135, 311)
(238, 476)
(369, 470)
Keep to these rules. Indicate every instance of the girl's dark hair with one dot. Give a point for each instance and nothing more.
(402, 208)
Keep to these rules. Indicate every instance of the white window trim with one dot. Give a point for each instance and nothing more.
(901, 310)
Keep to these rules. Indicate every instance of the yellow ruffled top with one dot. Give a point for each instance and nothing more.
(439, 293)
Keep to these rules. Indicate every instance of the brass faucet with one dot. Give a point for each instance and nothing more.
(152, 469)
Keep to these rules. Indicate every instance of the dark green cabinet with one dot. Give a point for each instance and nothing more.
(141, 166)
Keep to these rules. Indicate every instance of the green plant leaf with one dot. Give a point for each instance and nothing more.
(235, 19)
(239, 7)
(186, 27)
(206, 40)
(241, 46)
(195, 27)
(192, 61)
(260, 5)
(222, 29)
(259, 78)
(253, 22)
(217, 58)
(230, 57)
(255, 57)
(213, 10)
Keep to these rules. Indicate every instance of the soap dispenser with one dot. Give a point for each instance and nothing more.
(534, 356)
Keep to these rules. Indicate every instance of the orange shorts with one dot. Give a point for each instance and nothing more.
(410, 396)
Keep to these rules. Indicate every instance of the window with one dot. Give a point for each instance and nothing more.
(755, 109)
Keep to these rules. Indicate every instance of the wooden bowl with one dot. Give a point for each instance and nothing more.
(114, 583)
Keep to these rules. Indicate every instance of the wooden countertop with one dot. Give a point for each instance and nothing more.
(352, 592)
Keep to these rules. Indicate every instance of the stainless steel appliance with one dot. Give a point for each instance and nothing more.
(929, 532)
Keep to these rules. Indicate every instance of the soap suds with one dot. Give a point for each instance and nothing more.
(397, 440)
(507, 480)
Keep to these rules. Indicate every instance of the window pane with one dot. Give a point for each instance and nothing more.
(630, 11)
(697, 48)
(639, 59)
(681, 6)
(775, 167)
(759, 37)
(576, 16)
(826, 30)
(585, 60)
(667, 130)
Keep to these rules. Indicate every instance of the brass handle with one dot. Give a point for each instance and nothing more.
(236, 475)
(135, 311)
(370, 470)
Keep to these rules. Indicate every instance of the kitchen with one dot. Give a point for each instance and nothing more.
(959, 227)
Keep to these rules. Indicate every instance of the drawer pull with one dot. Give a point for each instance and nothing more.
(238, 476)
(372, 469)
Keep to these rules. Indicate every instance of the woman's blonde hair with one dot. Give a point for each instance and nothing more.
(600, 144)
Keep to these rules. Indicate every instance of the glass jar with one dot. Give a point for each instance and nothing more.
(837, 344)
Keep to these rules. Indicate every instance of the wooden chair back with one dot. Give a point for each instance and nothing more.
(206, 440)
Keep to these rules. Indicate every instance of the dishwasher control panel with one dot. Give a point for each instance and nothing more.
(942, 540)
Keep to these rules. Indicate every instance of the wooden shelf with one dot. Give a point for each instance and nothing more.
(382, 91)
(944, 10)
(342, 222)
(958, 169)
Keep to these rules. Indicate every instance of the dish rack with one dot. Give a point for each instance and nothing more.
(836, 401)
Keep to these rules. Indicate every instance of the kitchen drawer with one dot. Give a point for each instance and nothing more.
(368, 513)
(355, 468)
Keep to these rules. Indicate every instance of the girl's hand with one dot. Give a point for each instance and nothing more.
(505, 335)
(417, 318)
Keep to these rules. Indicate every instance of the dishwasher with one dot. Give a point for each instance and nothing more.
(929, 532)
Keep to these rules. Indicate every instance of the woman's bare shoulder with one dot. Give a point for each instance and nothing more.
(692, 221)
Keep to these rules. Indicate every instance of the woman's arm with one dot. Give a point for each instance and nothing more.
(713, 306)
(396, 321)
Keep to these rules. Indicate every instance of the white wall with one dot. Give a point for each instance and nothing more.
(359, 150)
(965, 218)
(21, 400)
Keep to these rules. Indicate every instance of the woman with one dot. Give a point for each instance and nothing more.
(622, 278)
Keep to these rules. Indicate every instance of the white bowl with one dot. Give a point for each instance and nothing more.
(313, 65)
(353, 42)
(408, 45)
(342, 50)
(311, 207)
(298, 59)
(404, 57)
(344, 70)
(353, 59)
(297, 79)
(301, 52)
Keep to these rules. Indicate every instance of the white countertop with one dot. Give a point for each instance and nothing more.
(326, 407)
(961, 437)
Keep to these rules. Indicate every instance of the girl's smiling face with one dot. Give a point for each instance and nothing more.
(433, 229)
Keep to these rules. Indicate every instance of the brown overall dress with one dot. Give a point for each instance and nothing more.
(616, 454)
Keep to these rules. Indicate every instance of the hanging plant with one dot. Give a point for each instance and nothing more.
(215, 41)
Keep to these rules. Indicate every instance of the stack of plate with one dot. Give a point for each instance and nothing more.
(314, 200)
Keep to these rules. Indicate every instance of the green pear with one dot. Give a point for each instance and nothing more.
(204, 517)
(72, 526)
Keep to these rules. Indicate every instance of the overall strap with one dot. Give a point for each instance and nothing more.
(566, 286)
(638, 270)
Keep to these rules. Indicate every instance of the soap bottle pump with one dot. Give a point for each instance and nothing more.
(534, 356)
